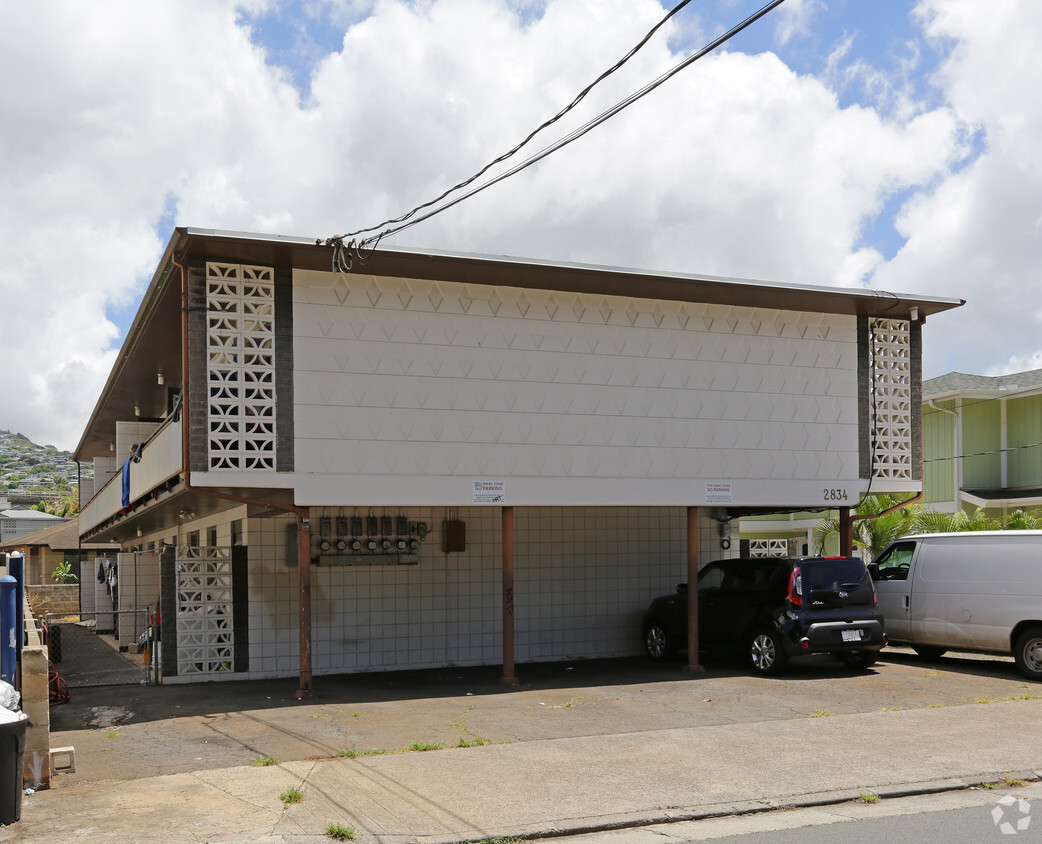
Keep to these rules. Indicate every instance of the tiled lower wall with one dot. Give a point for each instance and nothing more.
(583, 577)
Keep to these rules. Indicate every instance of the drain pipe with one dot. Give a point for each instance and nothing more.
(846, 523)
(303, 514)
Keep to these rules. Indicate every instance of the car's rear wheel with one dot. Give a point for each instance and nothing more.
(658, 642)
(928, 651)
(1027, 653)
(766, 653)
(859, 659)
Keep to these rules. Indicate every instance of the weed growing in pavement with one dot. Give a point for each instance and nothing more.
(291, 795)
(985, 700)
(111, 734)
(869, 798)
(319, 715)
(933, 673)
(264, 761)
(1012, 782)
(477, 741)
(339, 832)
(419, 747)
(505, 839)
(466, 714)
(1025, 696)
(821, 713)
(935, 705)
(989, 785)
(351, 753)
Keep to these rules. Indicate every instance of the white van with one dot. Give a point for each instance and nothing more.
(974, 591)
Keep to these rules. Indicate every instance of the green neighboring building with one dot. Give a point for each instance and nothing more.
(982, 447)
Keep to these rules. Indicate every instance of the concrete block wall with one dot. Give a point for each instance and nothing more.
(36, 704)
(54, 597)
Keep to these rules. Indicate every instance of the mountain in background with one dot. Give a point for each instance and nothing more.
(28, 470)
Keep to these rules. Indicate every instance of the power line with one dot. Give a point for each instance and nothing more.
(578, 98)
(341, 258)
(983, 453)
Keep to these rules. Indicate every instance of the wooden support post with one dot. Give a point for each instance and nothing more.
(846, 532)
(304, 575)
(693, 665)
(508, 677)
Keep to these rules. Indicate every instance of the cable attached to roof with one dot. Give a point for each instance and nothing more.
(344, 245)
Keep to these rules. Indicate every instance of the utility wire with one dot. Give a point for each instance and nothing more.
(579, 98)
(341, 255)
(983, 453)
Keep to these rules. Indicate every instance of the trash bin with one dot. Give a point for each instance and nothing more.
(12, 757)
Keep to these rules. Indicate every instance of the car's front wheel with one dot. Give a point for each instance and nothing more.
(1027, 653)
(859, 659)
(766, 653)
(657, 641)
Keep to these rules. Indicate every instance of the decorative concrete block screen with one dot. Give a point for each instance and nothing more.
(891, 374)
(240, 339)
(768, 547)
(205, 635)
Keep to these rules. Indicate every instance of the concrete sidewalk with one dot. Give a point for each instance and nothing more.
(571, 784)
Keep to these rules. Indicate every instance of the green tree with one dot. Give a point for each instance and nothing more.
(1019, 520)
(931, 521)
(65, 508)
(872, 535)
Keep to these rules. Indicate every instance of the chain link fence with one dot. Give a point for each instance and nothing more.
(108, 648)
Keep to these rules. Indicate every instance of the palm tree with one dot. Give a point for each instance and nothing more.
(872, 535)
(930, 521)
(1019, 520)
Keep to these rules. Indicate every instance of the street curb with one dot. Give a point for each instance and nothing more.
(612, 823)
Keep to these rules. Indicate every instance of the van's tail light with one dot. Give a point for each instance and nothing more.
(796, 588)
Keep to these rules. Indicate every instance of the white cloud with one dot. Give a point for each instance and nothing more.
(795, 18)
(738, 166)
(974, 235)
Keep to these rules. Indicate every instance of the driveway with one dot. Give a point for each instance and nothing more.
(129, 732)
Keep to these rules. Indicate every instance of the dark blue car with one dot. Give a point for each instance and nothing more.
(770, 609)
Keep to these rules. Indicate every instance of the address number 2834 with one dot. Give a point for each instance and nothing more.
(834, 494)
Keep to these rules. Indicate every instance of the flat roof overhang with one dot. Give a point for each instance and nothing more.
(132, 381)
(1017, 497)
(161, 511)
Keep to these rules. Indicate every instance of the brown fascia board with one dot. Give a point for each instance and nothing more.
(303, 253)
(300, 253)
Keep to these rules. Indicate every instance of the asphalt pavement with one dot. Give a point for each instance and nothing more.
(453, 755)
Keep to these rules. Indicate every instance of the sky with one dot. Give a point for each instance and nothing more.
(882, 144)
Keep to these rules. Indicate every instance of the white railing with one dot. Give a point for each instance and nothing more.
(160, 461)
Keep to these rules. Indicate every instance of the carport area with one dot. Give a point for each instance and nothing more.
(140, 731)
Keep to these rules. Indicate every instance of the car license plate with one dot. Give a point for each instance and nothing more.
(851, 635)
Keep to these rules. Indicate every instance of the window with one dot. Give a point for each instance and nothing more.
(895, 562)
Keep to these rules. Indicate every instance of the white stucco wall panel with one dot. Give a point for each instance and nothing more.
(400, 379)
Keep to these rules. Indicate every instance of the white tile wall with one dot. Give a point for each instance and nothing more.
(583, 577)
(138, 581)
(128, 433)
